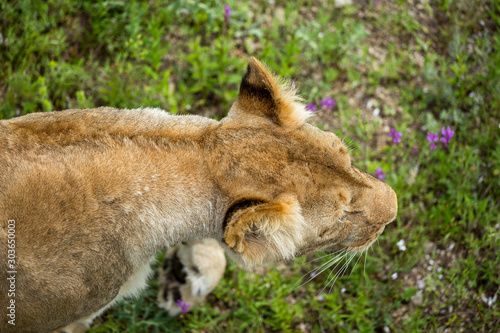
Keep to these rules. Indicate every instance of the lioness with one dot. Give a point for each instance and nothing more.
(87, 197)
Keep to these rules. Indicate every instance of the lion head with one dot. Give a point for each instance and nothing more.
(290, 188)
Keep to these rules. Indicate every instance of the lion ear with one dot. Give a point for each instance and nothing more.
(265, 95)
(264, 231)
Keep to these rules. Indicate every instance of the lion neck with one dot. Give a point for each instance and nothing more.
(145, 169)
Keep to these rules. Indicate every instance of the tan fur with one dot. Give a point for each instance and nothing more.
(96, 193)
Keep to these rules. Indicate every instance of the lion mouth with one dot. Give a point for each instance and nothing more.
(339, 245)
(324, 246)
(367, 244)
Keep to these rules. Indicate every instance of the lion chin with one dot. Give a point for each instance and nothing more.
(92, 195)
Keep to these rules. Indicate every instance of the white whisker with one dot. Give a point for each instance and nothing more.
(341, 272)
(326, 255)
(364, 268)
(360, 255)
(333, 270)
(327, 279)
(350, 146)
(319, 270)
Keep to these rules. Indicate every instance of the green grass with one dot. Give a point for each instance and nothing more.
(424, 66)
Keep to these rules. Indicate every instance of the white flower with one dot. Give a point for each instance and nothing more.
(394, 276)
(401, 245)
(489, 300)
(369, 105)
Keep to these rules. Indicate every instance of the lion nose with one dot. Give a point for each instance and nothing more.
(391, 208)
(383, 204)
(378, 202)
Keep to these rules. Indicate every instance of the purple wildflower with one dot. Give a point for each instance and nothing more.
(395, 135)
(432, 137)
(183, 305)
(414, 150)
(447, 134)
(328, 102)
(227, 12)
(311, 107)
(380, 173)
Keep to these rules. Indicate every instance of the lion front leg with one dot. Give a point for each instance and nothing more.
(189, 273)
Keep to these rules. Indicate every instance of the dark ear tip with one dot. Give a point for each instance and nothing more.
(256, 72)
(251, 71)
(246, 77)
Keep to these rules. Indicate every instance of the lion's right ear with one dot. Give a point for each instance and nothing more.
(265, 95)
(264, 231)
